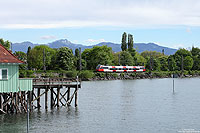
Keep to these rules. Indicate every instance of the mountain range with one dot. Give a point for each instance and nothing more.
(140, 47)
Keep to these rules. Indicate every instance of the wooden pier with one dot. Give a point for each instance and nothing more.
(57, 91)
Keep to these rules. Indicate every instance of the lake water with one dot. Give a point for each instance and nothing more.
(139, 106)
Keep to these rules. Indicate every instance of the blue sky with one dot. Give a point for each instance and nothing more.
(171, 23)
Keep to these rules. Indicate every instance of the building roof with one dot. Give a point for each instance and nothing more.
(7, 57)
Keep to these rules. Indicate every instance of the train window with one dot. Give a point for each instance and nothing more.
(112, 68)
(98, 67)
(104, 67)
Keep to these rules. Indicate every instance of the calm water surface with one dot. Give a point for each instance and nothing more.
(139, 106)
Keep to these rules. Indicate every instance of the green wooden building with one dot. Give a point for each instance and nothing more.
(9, 73)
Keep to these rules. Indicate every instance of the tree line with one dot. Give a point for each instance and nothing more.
(42, 57)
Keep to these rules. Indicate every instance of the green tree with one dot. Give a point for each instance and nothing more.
(28, 58)
(98, 55)
(116, 59)
(188, 63)
(154, 54)
(196, 58)
(36, 57)
(195, 51)
(154, 63)
(86, 55)
(124, 44)
(65, 58)
(23, 57)
(126, 58)
(130, 41)
(171, 63)
(77, 59)
(6, 44)
(181, 53)
(163, 63)
(131, 50)
(139, 60)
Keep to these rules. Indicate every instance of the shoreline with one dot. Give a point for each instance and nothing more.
(133, 76)
(88, 75)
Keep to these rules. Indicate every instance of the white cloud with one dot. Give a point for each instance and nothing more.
(178, 46)
(95, 41)
(48, 37)
(85, 13)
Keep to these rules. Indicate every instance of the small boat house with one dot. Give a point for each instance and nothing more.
(9, 73)
(13, 90)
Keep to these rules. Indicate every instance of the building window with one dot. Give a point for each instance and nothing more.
(3, 74)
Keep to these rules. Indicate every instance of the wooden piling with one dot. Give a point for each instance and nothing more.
(38, 100)
(12, 103)
(76, 97)
(30, 96)
(17, 102)
(4, 102)
(68, 94)
(52, 98)
(46, 98)
(58, 96)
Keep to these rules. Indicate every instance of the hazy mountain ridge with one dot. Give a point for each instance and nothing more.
(140, 47)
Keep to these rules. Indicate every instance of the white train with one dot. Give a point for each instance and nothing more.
(102, 68)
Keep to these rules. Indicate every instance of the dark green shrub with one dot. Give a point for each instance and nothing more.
(86, 74)
(29, 73)
(115, 75)
(100, 74)
(71, 74)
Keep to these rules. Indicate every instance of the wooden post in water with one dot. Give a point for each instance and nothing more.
(30, 99)
(173, 85)
(17, 102)
(173, 82)
(68, 94)
(58, 95)
(76, 92)
(52, 98)
(46, 98)
(76, 97)
(28, 96)
(38, 100)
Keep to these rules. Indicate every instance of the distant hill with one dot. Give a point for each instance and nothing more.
(140, 47)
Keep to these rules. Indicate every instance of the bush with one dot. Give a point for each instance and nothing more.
(71, 74)
(115, 75)
(100, 74)
(49, 75)
(29, 73)
(133, 74)
(86, 74)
